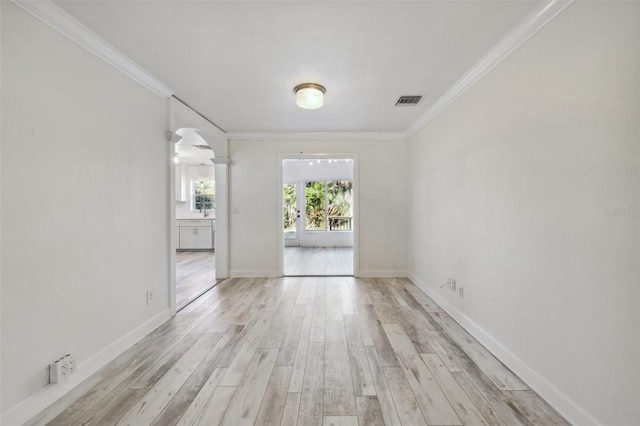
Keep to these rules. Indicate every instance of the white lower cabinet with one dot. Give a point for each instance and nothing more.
(196, 234)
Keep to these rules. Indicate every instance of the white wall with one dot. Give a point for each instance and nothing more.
(1, 119)
(513, 188)
(183, 208)
(254, 189)
(85, 196)
(296, 170)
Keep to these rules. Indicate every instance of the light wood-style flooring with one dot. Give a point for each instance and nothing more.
(318, 261)
(195, 274)
(307, 351)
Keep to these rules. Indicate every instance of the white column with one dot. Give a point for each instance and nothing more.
(222, 217)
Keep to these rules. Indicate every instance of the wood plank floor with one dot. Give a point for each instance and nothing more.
(195, 274)
(318, 261)
(306, 351)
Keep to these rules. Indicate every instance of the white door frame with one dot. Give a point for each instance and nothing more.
(356, 203)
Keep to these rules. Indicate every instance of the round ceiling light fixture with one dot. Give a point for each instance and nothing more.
(309, 95)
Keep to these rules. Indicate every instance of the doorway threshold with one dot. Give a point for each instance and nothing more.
(205, 291)
(318, 275)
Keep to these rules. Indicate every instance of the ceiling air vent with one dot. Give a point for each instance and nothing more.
(408, 100)
(202, 147)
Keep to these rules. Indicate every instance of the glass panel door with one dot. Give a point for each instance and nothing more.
(291, 215)
(315, 206)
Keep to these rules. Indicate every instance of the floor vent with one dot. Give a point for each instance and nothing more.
(408, 100)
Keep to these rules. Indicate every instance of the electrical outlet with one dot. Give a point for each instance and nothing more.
(61, 369)
(450, 284)
(149, 297)
(64, 368)
(56, 374)
(71, 363)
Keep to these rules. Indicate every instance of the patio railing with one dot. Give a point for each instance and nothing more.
(340, 223)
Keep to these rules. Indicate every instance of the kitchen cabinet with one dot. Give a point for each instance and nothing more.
(196, 234)
(196, 238)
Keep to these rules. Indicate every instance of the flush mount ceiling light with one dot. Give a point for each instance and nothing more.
(309, 95)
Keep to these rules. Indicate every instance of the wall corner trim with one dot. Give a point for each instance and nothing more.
(537, 19)
(54, 16)
(35, 404)
(562, 403)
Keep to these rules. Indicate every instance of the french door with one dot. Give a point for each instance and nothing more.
(292, 217)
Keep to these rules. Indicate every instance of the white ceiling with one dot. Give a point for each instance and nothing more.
(236, 62)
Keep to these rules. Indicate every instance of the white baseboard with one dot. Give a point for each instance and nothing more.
(253, 273)
(268, 273)
(383, 273)
(561, 402)
(30, 407)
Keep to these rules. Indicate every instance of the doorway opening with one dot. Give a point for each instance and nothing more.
(195, 275)
(198, 204)
(319, 205)
(195, 212)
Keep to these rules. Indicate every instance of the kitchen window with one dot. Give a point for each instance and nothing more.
(203, 195)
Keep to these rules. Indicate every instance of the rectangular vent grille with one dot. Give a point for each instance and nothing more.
(408, 100)
(202, 146)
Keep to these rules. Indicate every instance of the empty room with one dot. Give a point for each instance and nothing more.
(319, 212)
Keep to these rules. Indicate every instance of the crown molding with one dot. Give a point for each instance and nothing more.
(61, 21)
(538, 18)
(321, 136)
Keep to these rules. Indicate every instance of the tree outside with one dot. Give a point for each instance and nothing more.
(327, 201)
(290, 209)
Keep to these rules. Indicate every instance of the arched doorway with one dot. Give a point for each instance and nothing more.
(196, 130)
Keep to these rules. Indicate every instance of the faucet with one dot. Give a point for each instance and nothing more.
(203, 204)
